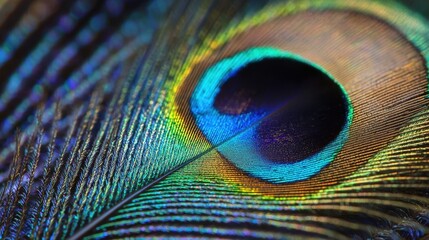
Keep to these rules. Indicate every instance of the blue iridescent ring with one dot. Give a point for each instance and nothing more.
(235, 136)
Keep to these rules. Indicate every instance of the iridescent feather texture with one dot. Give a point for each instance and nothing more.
(300, 119)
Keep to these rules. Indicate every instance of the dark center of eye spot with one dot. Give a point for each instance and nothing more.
(307, 109)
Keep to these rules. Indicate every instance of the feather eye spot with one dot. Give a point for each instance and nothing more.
(286, 115)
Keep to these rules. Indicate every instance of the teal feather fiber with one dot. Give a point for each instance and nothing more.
(77, 157)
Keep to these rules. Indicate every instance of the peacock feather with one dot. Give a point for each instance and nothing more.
(247, 119)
